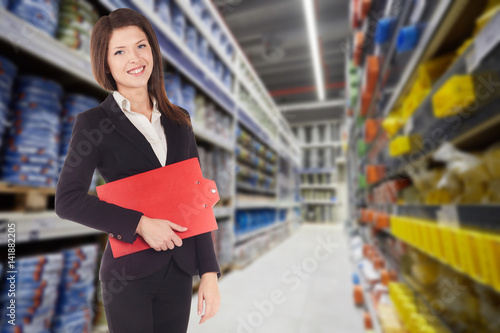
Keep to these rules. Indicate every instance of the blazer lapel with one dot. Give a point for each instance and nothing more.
(124, 126)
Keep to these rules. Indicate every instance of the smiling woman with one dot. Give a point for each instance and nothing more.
(122, 42)
(149, 291)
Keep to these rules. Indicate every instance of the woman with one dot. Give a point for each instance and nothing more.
(134, 130)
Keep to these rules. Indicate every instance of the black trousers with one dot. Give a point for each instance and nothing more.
(159, 303)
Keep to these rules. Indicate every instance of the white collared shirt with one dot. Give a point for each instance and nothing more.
(153, 131)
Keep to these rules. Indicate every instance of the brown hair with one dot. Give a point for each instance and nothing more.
(99, 43)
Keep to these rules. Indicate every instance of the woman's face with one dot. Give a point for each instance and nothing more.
(130, 58)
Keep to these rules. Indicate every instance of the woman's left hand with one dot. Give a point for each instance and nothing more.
(208, 291)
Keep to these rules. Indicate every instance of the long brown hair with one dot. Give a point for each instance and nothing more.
(99, 43)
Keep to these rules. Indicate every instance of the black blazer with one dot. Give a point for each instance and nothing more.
(104, 138)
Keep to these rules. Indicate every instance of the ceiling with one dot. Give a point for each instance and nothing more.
(273, 35)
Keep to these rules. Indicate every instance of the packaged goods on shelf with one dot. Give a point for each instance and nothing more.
(192, 38)
(76, 291)
(41, 14)
(202, 49)
(250, 220)
(227, 77)
(224, 242)
(173, 86)
(36, 108)
(73, 104)
(76, 21)
(215, 31)
(164, 11)
(188, 92)
(199, 113)
(37, 281)
(385, 30)
(218, 69)
(453, 96)
(211, 59)
(408, 37)
(8, 72)
(178, 20)
(198, 7)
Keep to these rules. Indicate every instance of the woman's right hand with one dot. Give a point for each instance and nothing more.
(159, 233)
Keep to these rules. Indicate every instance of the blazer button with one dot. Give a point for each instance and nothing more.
(111, 234)
(119, 236)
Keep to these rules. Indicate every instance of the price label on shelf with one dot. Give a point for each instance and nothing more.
(448, 215)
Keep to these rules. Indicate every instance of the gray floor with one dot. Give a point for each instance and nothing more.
(302, 285)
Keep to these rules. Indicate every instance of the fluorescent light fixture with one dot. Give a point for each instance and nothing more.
(312, 105)
(313, 43)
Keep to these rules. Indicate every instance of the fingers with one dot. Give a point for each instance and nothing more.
(200, 303)
(210, 311)
(176, 227)
(177, 240)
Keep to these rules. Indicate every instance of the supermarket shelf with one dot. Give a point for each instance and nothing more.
(242, 186)
(318, 186)
(319, 202)
(287, 204)
(216, 139)
(203, 30)
(441, 10)
(368, 301)
(250, 234)
(321, 144)
(413, 286)
(388, 58)
(251, 123)
(255, 204)
(23, 35)
(241, 55)
(474, 216)
(223, 211)
(41, 226)
(318, 170)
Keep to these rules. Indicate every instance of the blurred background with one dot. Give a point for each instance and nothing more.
(354, 144)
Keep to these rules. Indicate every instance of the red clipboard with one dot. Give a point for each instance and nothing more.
(176, 192)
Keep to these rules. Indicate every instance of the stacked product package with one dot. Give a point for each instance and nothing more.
(32, 148)
(173, 16)
(216, 166)
(76, 20)
(173, 86)
(162, 8)
(188, 96)
(36, 289)
(224, 241)
(178, 20)
(74, 311)
(42, 14)
(73, 104)
(8, 73)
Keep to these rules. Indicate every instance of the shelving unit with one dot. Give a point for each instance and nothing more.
(321, 147)
(245, 101)
(404, 148)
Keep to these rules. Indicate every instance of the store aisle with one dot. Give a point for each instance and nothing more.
(302, 285)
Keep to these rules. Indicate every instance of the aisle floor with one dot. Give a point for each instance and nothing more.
(302, 285)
